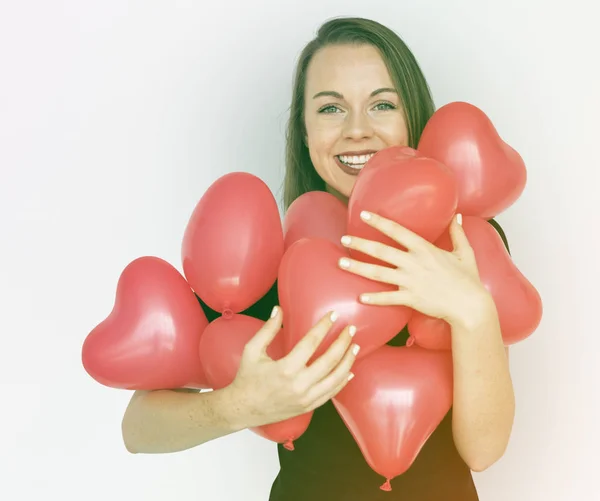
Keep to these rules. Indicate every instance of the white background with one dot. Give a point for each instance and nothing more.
(116, 116)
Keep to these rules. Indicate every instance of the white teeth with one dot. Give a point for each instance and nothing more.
(355, 160)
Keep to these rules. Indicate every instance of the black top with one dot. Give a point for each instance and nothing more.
(327, 464)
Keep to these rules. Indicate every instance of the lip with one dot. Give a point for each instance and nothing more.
(350, 170)
(346, 169)
(357, 153)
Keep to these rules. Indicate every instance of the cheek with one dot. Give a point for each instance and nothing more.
(395, 133)
(320, 146)
(322, 139)
(320, 162)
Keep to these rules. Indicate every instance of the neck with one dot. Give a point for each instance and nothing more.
(337, 194)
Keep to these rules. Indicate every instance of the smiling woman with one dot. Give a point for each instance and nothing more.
(358, 89)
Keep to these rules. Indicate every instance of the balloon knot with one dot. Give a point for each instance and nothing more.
(227, 313)
(386, 486)
(410, 341)
(289, 445)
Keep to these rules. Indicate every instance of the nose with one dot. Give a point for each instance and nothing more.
(357, 126)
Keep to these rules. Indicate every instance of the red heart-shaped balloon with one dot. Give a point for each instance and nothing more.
(397, 399)
(315, 214)
(311, 284)
(150, 339)
(491, 175)
(222, 346)
(233, 243)
(221, 350)
(518, 302)
(398, 183)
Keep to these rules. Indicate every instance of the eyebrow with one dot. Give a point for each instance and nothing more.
(340, 96)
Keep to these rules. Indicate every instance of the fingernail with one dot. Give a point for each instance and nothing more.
(364, 298)
(459, 219)
(355, 349)
(352, 330)
(274, 312)
(344, 262)
(365, 215)
(346, 240)
(333, 317)
(350, 376)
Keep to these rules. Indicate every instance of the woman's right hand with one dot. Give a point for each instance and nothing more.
(267, 391)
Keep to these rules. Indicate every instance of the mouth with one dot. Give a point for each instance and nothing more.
(352, 163)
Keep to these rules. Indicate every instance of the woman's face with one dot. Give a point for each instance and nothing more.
(351, 111)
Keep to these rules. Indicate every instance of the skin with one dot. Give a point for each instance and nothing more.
(355, 122)
(343, 115)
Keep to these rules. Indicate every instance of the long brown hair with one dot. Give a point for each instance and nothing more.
(406, 75)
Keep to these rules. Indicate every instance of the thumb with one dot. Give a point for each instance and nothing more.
(259, 343)
(460, 242)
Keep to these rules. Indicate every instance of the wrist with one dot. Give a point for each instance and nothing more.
(480, 311)
(232, 408)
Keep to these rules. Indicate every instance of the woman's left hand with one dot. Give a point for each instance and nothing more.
(431, 280)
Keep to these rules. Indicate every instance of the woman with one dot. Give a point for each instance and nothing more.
(357, 90)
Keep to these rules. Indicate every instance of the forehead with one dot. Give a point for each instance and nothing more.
(344, 68)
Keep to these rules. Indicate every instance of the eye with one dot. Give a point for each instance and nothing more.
(332, 108)
(386, 106)
(329, 107)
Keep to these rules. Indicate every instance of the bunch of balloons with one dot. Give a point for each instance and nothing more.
(236, 246)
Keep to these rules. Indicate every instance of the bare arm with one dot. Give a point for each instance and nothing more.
(264, 391)
(447, 285)
(484, 402)
(169, 421)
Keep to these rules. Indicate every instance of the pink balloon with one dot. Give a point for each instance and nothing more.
(428, 332)
(491, 174)
(518, 302)
(315, 214)
(311, 284)
(400, 184)
(223, 343)
(221, 351)
(150, 339)
(397, 399)
(233, 243)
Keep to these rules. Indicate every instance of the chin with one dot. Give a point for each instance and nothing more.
(338, 181)
(343, 189)
(347, 192)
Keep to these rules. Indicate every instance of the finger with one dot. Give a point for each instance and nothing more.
(259, 343)
(299, 356)
(330, 359)
(377, 250)
(337, 376)
(372, 271)
(387, 298)
(460, 242)
(395, 231)
(331, 394)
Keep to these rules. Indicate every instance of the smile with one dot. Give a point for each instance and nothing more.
(352, 164)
